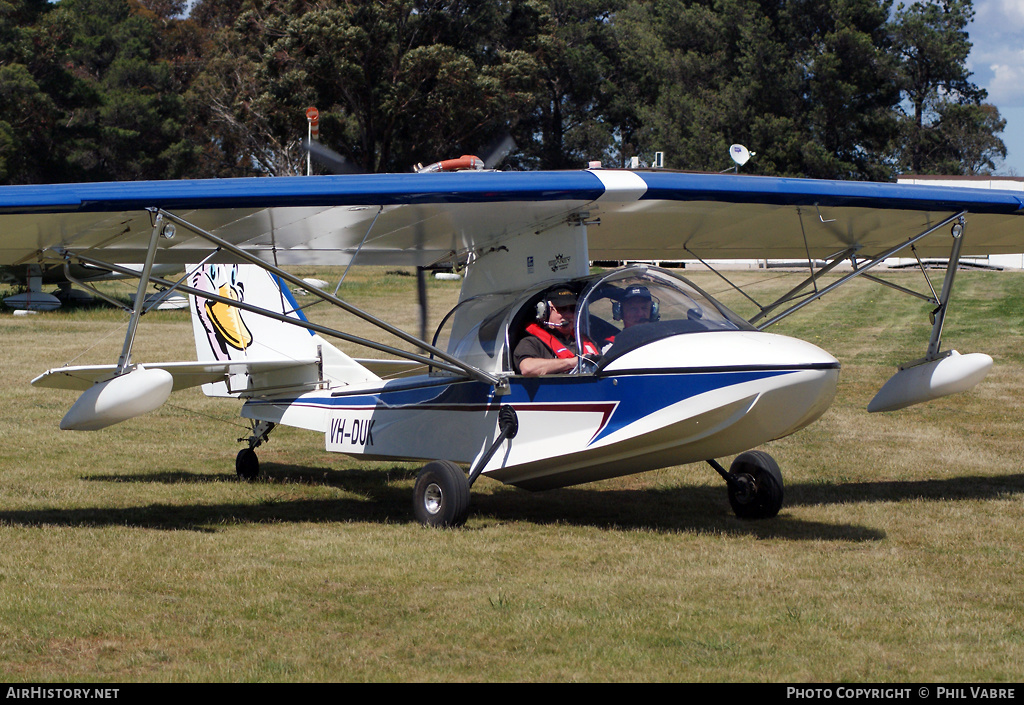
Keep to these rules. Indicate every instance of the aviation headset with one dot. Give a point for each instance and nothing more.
(559, 296)
(636, 291)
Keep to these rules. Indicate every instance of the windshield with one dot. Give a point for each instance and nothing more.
(616, 311)
(636, 305)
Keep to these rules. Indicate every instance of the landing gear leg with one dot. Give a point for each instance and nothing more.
(247, 465)
(755, 485)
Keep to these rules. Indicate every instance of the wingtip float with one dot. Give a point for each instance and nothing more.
(930, 380)
(124, 397)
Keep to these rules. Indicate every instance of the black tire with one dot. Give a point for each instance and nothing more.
(247, 465)
(441, 496)
(757, 494)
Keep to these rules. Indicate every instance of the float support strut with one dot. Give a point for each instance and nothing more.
(939, 314)
(140, 297)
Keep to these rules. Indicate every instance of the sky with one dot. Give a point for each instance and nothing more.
(997, 61)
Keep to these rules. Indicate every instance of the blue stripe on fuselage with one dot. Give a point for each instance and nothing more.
(636, 395)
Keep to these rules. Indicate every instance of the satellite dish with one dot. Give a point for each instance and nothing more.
(739, 154)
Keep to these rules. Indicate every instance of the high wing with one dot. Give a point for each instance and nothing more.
(657, 396)
(405, 219)
(418, 219)
(730, 216)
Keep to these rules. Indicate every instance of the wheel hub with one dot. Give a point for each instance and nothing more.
(746, 488)
(432, 498)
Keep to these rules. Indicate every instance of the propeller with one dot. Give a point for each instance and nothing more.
(497, 150)
(493, 154)
(329, 159)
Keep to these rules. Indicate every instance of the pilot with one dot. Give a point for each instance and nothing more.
(637, 306)
(550, 347)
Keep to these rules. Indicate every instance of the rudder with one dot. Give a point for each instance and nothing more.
(225, 333)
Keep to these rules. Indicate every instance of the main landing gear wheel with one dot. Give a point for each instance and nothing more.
(755, 491)
(247, 465)
(441, 495)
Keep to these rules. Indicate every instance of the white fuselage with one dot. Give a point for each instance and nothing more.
(681, 399)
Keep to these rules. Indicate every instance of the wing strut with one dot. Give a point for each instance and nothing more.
(938, 373)
(185, 289)
(878, 259)
(132, 390)
(794, 293)
(440, 360)
(96, 292)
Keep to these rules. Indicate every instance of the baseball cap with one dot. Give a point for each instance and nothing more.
(561, 296)
(636, 290)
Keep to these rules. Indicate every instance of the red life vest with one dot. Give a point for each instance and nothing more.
(557, 346)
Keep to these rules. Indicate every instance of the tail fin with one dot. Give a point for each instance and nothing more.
(224, 333)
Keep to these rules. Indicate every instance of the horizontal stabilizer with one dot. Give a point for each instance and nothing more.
(390, 369)
(931, 380)
(183, 374)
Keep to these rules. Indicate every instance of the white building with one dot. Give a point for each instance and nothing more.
(1008, 183)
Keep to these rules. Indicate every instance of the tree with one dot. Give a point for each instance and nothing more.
(139, 115)
(932, 45)
(38, 94)
(962, 140)
(691, 79)
(395, 83)
(848, 95)
(804, 84)
(86, 96)
(575, 111)
(110, 89)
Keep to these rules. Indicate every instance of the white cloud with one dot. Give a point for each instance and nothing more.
(997, 57)
(1007, 85)
(998, 11)
(997, 60)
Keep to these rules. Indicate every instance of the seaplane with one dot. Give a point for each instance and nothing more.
(690, 382)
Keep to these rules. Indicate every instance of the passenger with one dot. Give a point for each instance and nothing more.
(550, 347)
(637, 306)
(633, 305)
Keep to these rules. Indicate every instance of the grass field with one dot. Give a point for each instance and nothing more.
(132, 554)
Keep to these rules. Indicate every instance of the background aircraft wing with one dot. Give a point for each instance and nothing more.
(417, 219)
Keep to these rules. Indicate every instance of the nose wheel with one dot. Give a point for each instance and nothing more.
(754, 484)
